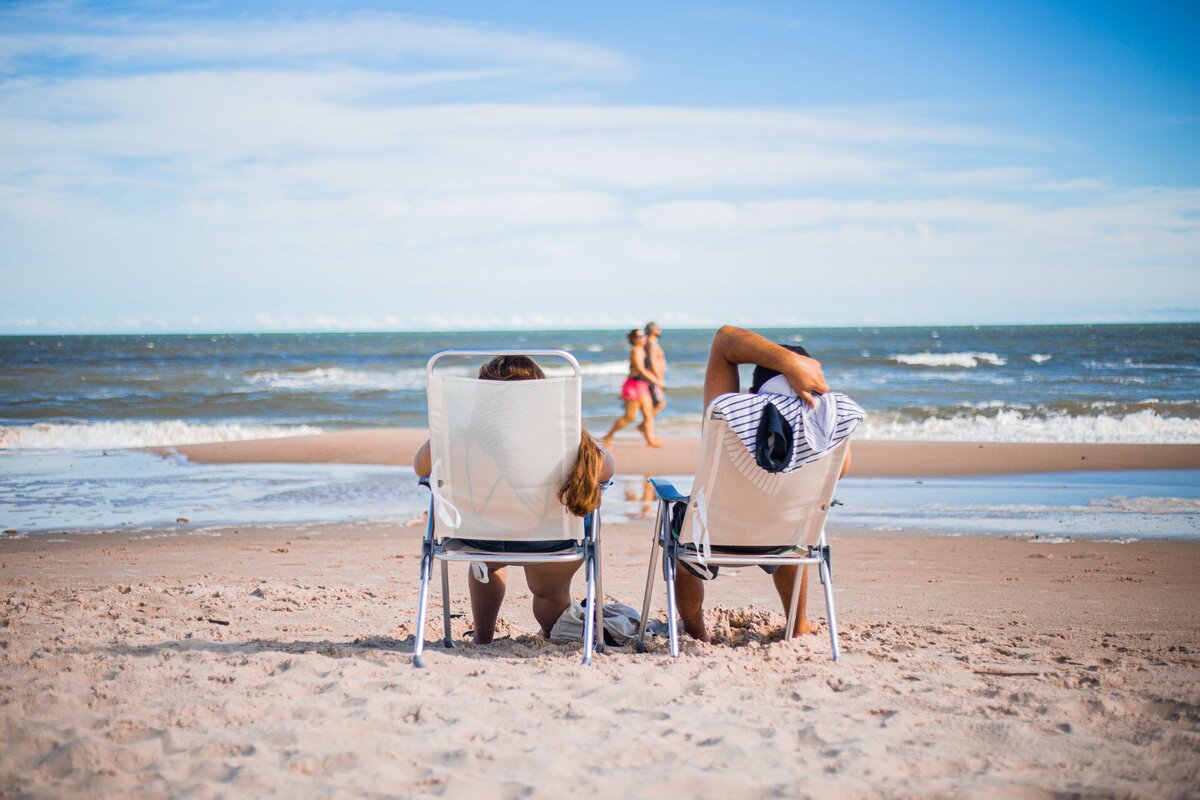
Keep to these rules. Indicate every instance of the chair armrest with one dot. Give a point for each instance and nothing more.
(665, 490)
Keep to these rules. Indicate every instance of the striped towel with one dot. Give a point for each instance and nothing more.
(815, 430)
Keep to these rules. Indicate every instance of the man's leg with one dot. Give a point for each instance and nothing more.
(689, 595)
(485, 602)
(784, 579)
(551, 587)
(647, 426)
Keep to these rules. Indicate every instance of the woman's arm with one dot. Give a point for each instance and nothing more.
(608, 466)
(421, 463)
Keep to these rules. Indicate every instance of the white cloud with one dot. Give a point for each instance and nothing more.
(379, 38)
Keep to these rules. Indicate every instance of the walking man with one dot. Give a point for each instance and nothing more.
(656, 363)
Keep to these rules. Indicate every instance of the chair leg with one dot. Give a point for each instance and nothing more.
(669, 564)
(447, 639)
(654, 545)
(599, 608)
(589, 620)
(827, 580)
(422, 604)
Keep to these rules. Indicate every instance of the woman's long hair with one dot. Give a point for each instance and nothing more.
(580, 492)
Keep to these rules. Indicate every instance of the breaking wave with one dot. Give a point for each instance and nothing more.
(1010, 425)
(961, 360)
(131, 434)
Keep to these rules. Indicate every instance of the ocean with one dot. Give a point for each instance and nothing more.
(72, 406)
(1096, 383)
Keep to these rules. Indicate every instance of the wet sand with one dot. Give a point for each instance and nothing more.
(679, 454)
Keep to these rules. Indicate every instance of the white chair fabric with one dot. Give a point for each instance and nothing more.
(745, 506)
(501, 450)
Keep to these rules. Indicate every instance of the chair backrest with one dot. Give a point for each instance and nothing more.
(747, 506)
(500, 450)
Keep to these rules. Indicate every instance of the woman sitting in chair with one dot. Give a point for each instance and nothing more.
(579, 493)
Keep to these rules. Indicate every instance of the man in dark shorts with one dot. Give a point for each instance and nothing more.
(656, 362)
(731, 347)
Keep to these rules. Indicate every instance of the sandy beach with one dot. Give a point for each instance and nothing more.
(678, 454)
(275, 662)
(246, 661)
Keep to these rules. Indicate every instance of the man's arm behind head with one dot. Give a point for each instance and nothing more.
(732, 346)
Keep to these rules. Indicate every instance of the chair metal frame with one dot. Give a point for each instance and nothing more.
(433, 548)
(675, 551)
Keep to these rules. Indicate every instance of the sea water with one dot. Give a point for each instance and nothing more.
(1101, 383)
(97, 491)
(70, 406)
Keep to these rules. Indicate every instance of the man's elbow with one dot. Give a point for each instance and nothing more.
(724, 338)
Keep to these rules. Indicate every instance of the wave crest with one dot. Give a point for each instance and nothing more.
(961, 360)
(1140, 427)
(327, 379)
(121, 435)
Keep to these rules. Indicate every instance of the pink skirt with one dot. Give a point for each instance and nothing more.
(634, 389)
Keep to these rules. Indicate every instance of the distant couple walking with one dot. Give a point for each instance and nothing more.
(645, 387)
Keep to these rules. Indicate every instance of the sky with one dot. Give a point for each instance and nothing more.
(243, 166)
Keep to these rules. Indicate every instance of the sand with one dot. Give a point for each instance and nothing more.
(679, 455)
(275, 662)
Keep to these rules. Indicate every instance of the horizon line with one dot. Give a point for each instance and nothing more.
(554, 329)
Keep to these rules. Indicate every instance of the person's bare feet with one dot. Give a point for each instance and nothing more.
(803, 627)
(607, 442)
(654, 442)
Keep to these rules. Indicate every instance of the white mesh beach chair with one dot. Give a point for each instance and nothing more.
(500, 450)
(741, 505)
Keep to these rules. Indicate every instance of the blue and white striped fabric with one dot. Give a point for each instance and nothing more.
(815, 430)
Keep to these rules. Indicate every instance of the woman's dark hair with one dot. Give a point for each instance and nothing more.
(511, 368)
(764, 374)
(633, 334)
(580, 492)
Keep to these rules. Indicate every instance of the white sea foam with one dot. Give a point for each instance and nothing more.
(963, 360)
(335, 379)
(338, 379)
(1040, 358)
(603, 368)
(118, 435)
(1015, 426)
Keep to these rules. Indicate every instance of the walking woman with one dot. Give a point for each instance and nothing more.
(635, 392)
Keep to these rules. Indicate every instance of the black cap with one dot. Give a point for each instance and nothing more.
(764, 374)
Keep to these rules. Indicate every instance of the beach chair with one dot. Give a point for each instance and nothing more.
(500, 450)
(741, 505)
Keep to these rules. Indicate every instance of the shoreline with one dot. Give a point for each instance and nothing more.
(871, 458)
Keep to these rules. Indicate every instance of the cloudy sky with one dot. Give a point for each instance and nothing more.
(290, 166)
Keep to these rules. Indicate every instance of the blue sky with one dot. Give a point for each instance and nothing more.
(278, 166)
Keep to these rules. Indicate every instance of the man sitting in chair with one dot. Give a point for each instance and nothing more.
(731, 347)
